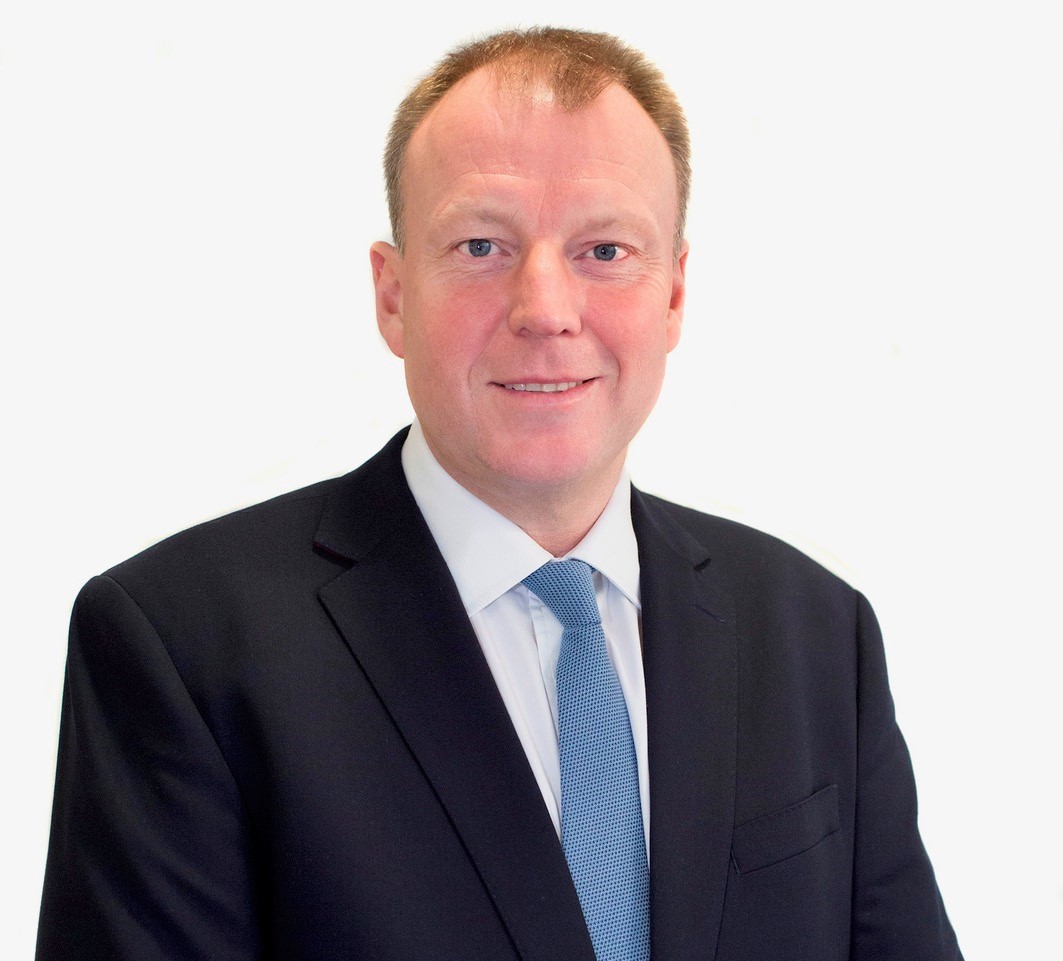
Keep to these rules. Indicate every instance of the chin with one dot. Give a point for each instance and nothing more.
(551, 465)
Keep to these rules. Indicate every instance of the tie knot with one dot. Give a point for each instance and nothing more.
(567, 589)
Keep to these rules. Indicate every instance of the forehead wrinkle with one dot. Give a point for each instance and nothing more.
(512, 211)
(489, 192)
(475, 208)
(545, 186)
(502, 147)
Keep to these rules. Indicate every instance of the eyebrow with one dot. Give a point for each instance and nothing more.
(634, 223)
(496, 216)
(474, 210)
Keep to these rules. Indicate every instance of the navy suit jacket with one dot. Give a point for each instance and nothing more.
(280, 740)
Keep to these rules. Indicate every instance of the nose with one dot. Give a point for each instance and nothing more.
(546, 296)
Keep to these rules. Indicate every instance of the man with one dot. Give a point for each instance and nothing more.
(376, 719)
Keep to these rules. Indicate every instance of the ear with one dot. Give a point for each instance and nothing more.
(387, 282)
(678, 299)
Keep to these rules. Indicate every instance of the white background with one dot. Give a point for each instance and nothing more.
(869, 366)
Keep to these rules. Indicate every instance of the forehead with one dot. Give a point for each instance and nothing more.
(481, 134)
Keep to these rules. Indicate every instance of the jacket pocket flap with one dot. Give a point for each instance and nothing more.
(775, 837)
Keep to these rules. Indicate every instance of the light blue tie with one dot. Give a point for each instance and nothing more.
(601, 816)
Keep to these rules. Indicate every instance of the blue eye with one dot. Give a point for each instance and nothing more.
(479, 248)
(605, 251)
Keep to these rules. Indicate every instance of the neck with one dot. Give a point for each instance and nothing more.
(557, 514)
(556, 527)
(556, 517)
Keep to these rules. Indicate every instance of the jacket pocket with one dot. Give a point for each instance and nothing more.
(783, 834)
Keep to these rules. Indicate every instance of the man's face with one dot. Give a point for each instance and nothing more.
(538, 292)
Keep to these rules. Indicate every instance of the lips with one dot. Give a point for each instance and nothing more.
(555, 387)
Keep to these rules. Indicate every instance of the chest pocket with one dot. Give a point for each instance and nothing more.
(786, 833)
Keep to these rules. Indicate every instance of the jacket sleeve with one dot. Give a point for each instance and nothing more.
(898, 914)
(149, 854)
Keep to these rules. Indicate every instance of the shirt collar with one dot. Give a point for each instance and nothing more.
(488, 554)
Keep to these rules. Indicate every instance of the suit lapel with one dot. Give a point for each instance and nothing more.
(689, 650)
(399, 611)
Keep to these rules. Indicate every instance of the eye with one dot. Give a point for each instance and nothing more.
(607, 252)
(479, 247)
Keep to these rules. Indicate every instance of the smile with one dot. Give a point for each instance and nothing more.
(545, 388)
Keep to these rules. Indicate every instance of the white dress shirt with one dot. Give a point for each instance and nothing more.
(488, 557)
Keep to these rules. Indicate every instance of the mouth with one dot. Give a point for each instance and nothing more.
(546, 388)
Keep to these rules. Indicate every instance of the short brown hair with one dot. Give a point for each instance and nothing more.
(576, 66)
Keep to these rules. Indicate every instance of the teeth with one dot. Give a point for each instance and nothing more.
(545, 388)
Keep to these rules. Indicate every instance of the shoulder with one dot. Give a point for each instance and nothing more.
(793, 618)
(240, 591)
(258, 530)
(728, 540)
(750, 561)
(210, 581)
(274, 539)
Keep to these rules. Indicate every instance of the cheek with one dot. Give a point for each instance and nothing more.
(447, 331)
(634, 329)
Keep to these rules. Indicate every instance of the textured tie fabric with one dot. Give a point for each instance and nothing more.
(601, 815)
